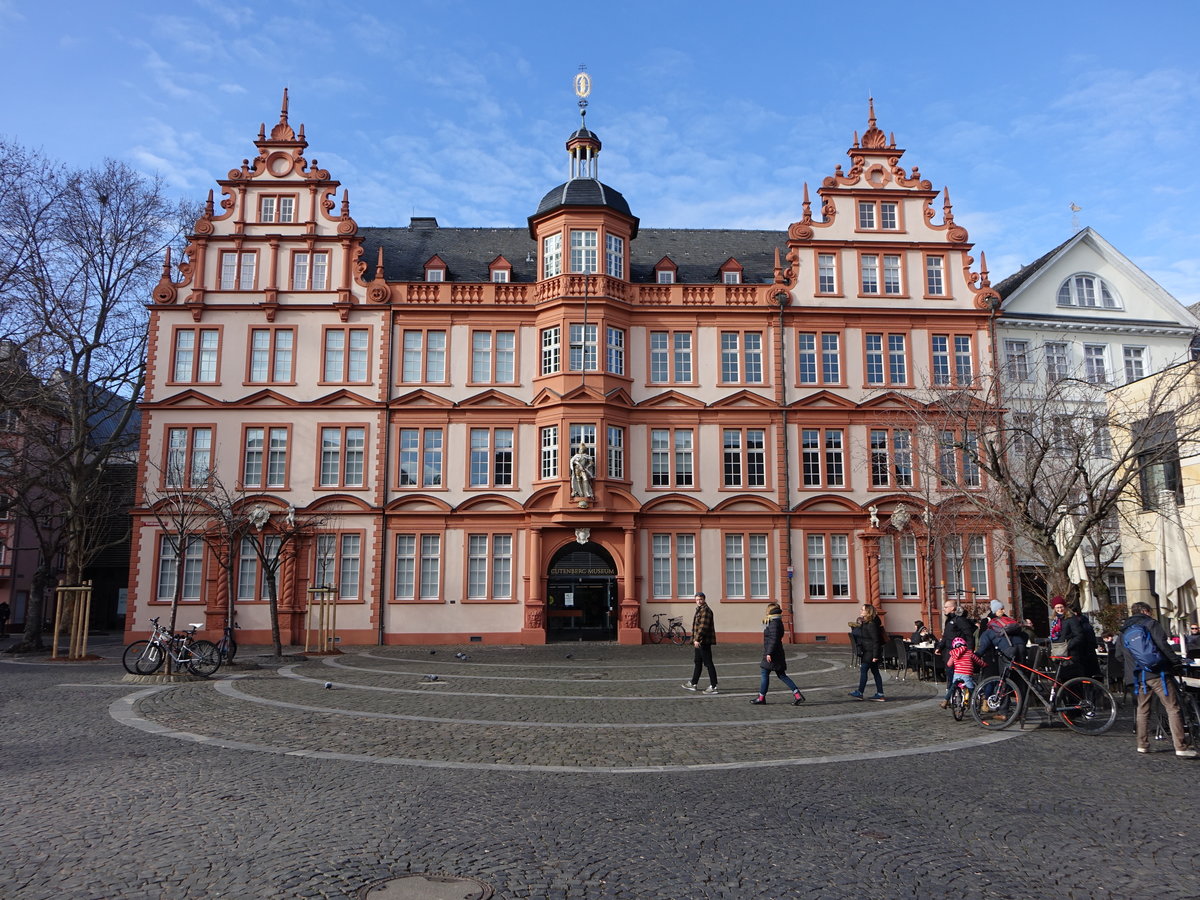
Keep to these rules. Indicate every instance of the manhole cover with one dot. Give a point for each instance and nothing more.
(426, 887)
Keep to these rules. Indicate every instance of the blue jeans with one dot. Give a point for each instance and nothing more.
(873, 668)
(968, 680)
(766, 678)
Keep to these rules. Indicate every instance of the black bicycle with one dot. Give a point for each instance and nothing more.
(674, 630)
(200, 657)
(1084, 704)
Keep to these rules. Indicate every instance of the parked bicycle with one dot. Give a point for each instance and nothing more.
(200, 657)
(1084, 704)
(674, 630)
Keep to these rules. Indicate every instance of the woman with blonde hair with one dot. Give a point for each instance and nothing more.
(773, 658)
(872, 652)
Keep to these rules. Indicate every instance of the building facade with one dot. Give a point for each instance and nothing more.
(561, 430)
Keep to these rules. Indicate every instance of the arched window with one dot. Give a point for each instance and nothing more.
(1085, 290)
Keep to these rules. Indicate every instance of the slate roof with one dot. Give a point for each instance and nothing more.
(585, 192)
(697, 252)
(1010, 284)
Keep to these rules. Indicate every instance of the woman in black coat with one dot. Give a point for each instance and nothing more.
(773, 658)
(872, 641)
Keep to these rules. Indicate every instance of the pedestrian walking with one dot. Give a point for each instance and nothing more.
(1148, 658)
(774, 659)
(872, 641)
(704, 635)
(4, 613)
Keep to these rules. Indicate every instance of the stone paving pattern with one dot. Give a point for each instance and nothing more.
(548, 777)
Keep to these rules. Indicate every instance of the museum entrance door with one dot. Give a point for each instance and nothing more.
(581, 594)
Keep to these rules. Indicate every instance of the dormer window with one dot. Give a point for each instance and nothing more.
(1088, 291)
(731, 277)
(500, 276)
(500, 270)
(731, 272)
(665, 276)
(435, 269)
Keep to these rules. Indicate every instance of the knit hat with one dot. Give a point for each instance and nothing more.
(996, 607)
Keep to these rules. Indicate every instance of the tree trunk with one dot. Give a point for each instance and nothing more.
(273, 599)
(35, 610)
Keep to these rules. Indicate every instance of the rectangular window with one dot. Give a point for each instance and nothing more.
(745, 457)
(549, 452)
(424, 357)
(888, 218)
(489, 566)
(338, 563)
(418, 566)
(935, 281)
(346, 355)
(1058, 361)
(277, 209)
(953, 362)
(831, 358)
(672, 462)
(189, 458)
(741, 357)
(826, 273)
(881, 216)
(174, 551)
(616, 452)
(1157, 443)
(491, 457)
(891, 274)
(614, 256)
(1101, 437)
(822, 460)
(343, 454)
(196, 355)
(964, 363)
(237, 271)
(869, 269)
(671, 357)
(421, 455)
(828, 564)
(866, 216)
(251, 572)
(435, 275)
(673, 565)
(615, 355)
(731, 277)
(890, 366)
(310, 271)
(898, 567)
(493, 357)
(584, 353)
(1135, 363)
(746, 567)
(264, 458)
(1016, 360)
(664, 276)
(551, 359)
(1095, 363)
(583, 251)
(552, 255)
(500, 276)
(271, 355)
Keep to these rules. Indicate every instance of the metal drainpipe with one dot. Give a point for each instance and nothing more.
(387, 462)
(782, 297)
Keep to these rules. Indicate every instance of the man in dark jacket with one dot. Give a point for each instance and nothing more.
(1153, 681)
(957, 625)
(704, 635)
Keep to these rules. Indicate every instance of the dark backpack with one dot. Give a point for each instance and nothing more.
(1139, 644)
(1005, 624)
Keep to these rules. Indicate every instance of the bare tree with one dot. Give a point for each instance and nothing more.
(80, 254)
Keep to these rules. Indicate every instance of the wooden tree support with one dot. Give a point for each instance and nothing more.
(322, 603)
(73, 610)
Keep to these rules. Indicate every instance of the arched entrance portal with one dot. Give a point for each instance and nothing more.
(581, 594)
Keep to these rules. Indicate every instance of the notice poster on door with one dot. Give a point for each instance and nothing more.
(569, 598)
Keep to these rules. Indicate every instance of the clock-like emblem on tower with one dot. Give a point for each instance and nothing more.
(583, 85)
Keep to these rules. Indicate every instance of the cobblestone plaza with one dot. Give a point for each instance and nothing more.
(563, 771)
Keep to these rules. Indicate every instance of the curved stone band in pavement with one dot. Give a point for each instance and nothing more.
(524, 710)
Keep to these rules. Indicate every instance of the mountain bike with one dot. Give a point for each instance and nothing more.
(1084, 704)
(659, 632)
(200, 657)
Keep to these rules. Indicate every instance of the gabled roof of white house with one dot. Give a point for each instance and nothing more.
(1030, 294)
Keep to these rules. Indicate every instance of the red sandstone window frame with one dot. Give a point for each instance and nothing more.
(238, 282)
(897, 564)
(893, 480)
(490, 595)
(885, 353)
(347, 351)
(673, 558)
(273, 352)
(953, 375)
(747, 558)
(879, 269)
(423, 356)
(183, 565)
(672, 457)
(824, 449)
(310, 268)
(493, 458)
(744, 455)
(264, 482)
(493, 355)
(339, 562)
(198, 354)
(944, 274)
(276, 216)
(818, 356)
(670, 355)
(419, 558)
(960, 576)
(188, 469)
(343, 456)
(835, 255)
(827, 557)
(876, 207)
(741, 355)
(423, 451)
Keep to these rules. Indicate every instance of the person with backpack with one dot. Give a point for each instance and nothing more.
(1003, 638)
(1149, 659)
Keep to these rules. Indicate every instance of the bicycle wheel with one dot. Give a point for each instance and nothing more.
(142, 658)
(657, 633)
(997, 702)
(1086, 706)
(678, 635)
(958, 702)
(1190, 710)
(205, 658)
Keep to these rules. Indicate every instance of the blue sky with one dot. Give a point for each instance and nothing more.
(712, 114)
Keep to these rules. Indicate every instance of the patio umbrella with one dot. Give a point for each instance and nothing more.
(1174, 578)
(1076, 568)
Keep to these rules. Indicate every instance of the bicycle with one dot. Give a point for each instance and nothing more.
(1189, 711)
(659, 633)
(227, 645)
(1085, 705)
(200, 657)
(960, 700)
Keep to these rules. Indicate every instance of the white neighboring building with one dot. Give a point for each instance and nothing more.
(1085, 311)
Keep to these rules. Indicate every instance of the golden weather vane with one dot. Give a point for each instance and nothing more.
(583, 87)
